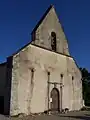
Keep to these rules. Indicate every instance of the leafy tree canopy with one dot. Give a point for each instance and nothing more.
(86, 85)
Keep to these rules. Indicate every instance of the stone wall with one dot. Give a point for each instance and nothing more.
(29, 93)
(75, 85)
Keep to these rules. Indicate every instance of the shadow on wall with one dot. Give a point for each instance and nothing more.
(1, 104)
(2, 86)
(7, 95)
(5, 86)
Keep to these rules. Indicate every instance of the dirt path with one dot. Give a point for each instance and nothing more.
(69, 116)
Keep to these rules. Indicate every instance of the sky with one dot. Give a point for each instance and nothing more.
(19, 17)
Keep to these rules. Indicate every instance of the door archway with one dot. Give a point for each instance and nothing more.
(55, 99)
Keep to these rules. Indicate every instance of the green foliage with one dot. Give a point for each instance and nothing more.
(86, 85)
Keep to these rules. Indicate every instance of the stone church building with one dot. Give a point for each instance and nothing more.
(42, 75)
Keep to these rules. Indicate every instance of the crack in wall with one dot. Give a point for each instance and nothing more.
(31, 89)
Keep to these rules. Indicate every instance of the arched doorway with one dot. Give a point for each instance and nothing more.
(55, 99)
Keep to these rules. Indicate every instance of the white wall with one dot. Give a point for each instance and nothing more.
(22, 100)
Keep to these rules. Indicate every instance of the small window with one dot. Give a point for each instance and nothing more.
(48, 73)
(72, 77)
(61, 75)
(53, 41)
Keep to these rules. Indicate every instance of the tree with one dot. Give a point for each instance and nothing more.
(86, 85)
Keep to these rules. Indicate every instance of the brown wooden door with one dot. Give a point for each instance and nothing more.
(55, 99)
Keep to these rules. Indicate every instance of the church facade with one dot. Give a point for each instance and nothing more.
(42, 75)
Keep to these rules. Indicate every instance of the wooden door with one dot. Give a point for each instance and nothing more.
(55, 99)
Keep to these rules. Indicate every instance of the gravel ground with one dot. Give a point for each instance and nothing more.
(84, 115)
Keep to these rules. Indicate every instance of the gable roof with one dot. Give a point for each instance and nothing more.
(42, 18)
(35, 28)
(37, 25)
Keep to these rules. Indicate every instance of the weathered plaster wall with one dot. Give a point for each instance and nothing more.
(29, 93)
(43, 33)
(75, 84)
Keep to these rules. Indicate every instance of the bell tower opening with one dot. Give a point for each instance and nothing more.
(53, 41)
